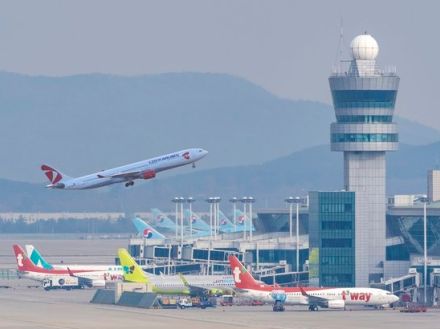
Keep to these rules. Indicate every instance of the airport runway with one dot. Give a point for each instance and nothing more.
(35, 308)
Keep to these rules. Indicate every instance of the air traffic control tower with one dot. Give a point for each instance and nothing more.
(364, 97)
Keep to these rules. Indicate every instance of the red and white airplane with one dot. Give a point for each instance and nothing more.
(335, 298)
(89, 275)
(146, 169)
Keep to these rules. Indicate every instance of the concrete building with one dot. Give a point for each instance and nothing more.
(434, 185)
(364, 97)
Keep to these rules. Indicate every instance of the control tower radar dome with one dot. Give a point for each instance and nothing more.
(364, 47)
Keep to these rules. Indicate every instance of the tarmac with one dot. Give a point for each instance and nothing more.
(23, 307)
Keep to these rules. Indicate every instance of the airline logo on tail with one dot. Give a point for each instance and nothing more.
(132, 271)
(148, 233)
(52, 174)
(241, 219)
(160, 218)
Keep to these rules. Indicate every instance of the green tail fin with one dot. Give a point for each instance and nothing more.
(132, 271)
(185, 282)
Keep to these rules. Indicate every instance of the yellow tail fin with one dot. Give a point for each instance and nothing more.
(132, 271)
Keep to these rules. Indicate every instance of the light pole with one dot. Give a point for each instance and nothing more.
(216, 201)
(290, 200)
(176, 200)
(182, 201)
(210, 200)
(251, 200)
(234, 201)
(294, 200)
(247, 200)
(190, 201)
(425, 249)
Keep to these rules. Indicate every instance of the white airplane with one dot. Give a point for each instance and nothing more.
(146, 169)
(334, 298)
(92, 276)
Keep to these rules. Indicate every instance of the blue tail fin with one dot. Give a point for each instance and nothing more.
(147, 231)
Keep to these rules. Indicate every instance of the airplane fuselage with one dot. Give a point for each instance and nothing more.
(146, 169)
(350, 296)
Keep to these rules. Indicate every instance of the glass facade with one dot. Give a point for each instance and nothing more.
(332, 239)
(278, 255)
(365, 138)
(364, 98)
(364, 118)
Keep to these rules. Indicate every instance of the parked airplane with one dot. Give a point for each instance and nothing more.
(196, 222)
(88, 276)
(146, 230)
(174, 284)
(146, 169)
(134, 273)
(335, 298)
(162, 221)
(242, 221)
(38, 260)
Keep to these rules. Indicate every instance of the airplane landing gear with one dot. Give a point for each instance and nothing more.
(193, 164)
(278, 306)
(129, 184)
(313, 307)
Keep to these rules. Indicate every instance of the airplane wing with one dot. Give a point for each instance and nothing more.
(126, 175)
(82, 281)
(320, 301)
(145, 174)
(194, 289)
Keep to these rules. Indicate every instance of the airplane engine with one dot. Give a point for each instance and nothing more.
(148, 174)
(337, 304)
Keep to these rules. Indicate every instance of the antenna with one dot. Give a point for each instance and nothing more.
(340, 48)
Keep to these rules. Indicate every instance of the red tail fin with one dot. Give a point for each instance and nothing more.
(242, 278)
(23, 262)
(52, 174)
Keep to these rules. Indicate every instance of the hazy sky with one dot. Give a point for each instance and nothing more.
(288, 47)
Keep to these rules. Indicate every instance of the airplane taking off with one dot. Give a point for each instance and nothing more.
(146, 169)
(335, 298)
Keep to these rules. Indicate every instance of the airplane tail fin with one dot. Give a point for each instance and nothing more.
(24, 264)
(36, 258)
(242, 278)
(147, 231)
(132, 271)
(55, 176)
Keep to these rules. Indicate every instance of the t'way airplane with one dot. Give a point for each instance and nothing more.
(88, 275)
(146, 169)
(335, 298)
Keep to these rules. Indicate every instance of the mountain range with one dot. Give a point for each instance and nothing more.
(259, 144)
(86, 123)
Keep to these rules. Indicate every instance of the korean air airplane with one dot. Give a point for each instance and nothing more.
(147, 231)
(242, 221)
(146, 169)
(196, 222)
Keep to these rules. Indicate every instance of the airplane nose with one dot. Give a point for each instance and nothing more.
(395, 299)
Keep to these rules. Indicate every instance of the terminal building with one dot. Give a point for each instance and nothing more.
(349, 237)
